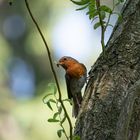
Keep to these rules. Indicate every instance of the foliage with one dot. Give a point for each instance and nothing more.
(58, 116)
(101, 14)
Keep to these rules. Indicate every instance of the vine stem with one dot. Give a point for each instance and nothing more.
(102, 27)
(60, 118)
(107, 23)
(52, 67)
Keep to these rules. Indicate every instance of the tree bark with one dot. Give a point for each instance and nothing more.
(111, 105)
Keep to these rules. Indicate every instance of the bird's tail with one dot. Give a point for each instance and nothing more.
(77, 99)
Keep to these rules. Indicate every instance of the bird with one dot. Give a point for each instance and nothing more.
(75, 76)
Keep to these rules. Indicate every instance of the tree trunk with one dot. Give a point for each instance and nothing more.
(111, 105)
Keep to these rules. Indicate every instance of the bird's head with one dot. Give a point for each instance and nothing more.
(66, 62)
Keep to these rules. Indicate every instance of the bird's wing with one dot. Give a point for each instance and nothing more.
(68, 83)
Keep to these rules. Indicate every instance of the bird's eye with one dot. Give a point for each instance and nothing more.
(65, 58)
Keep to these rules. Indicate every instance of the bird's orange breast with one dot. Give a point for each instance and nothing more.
(76, 70)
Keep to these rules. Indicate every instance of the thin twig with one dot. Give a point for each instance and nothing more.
(102, 26)
(52, 68)
(109, 17)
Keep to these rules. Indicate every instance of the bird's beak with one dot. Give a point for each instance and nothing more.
(59, 64)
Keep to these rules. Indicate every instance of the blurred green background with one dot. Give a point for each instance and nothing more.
(24, 67)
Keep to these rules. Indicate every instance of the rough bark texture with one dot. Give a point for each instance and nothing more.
(111, 106)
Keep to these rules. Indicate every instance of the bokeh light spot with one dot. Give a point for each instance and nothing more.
(22, 79)
(14, 27)
(74, 36)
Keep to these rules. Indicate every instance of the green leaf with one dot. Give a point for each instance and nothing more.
(92, 9)
(92, 14)
(52, 100)
(84, 7)
(82, 2)
(105, 9)
(49, 105)
(45, 97)
(52, 120)
(55, 115)
(92, 6)
(96, 25)
(59, 133)
(53, 87)
(93, 2)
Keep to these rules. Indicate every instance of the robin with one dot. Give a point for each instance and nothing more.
(75, 76)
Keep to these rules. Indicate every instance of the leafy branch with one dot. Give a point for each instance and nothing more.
(52, 69)
(58, 117)
(101, 14)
